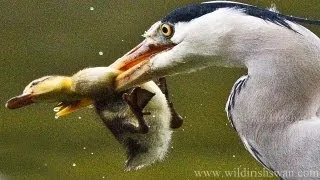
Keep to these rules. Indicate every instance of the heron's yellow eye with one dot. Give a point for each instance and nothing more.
(167, 30)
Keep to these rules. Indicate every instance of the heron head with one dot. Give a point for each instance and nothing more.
(184, 40)
(220, 33)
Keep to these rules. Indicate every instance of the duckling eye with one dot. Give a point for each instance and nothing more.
(34, 83)
(167, 30)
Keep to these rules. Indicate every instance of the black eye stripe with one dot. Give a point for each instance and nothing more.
(36, 82)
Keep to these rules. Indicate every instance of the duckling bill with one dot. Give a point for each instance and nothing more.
(141, 118)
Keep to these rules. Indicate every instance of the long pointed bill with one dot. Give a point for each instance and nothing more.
(135, 65)
(64, 109)
(20, 101)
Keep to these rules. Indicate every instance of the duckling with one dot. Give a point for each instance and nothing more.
(140, 118)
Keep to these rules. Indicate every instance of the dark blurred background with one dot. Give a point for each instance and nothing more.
(40, 38)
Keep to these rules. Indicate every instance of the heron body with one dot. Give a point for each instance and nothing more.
(275, 107)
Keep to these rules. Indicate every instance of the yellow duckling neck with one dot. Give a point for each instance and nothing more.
(67, 85)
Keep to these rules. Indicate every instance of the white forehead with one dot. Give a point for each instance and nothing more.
(153, 30)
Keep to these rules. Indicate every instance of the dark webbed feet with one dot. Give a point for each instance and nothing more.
(176, 119)
(137, 98)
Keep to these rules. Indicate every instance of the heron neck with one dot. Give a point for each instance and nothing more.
(284, 71)
(285, 87)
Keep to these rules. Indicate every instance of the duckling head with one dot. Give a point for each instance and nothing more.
(45, 89)
(72, 92)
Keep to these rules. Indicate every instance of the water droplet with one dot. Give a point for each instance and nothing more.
(103, 177)
(91, 8)
(84, 148)
(46, 164)
(100, 53)
(234, 156)
(153, 116)
(57, 109)
(74, 164)
(90, 106)
(79, 117)
(91, 153)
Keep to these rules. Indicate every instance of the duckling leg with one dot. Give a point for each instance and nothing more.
(176, 120)
(137, 99)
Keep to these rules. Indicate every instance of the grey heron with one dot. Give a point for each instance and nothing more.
(141, 118)
(275, 107)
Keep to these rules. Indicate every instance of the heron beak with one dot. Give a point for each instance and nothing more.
(65, 108)
(20, 101)
(135, 66)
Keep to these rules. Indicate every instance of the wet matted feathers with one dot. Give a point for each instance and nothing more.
(140, 121)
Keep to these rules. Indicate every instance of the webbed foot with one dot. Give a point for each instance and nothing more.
(176, 119)
(137, 98)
